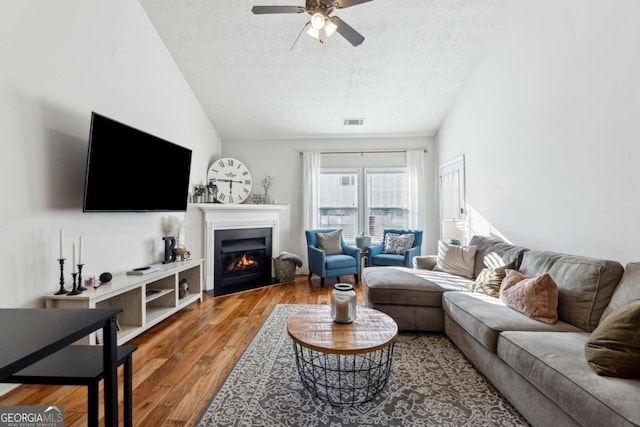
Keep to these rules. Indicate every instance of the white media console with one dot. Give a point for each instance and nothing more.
(146, 300)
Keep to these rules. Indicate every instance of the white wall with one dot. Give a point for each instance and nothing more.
(282, 160)
(549, 124)
(60, 61)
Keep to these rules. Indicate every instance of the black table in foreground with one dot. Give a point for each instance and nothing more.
(30, 334)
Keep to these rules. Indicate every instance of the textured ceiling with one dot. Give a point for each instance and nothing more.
(401, 80)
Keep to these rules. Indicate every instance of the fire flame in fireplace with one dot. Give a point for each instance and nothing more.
(242, 262)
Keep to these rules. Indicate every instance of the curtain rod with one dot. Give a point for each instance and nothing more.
(364, 152)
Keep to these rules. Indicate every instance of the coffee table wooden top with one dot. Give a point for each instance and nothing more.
(313, 328)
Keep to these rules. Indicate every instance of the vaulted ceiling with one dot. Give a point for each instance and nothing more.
(401, 80)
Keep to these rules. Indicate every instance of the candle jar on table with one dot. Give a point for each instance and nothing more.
(343, 303)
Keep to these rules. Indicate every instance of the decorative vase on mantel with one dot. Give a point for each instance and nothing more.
(266, 199)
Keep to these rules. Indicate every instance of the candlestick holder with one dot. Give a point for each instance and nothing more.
(75, 290)
(80, 285)
(62, 290)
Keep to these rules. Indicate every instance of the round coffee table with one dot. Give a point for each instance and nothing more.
(343, 364)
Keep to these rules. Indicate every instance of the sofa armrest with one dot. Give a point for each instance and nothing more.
(426, 262)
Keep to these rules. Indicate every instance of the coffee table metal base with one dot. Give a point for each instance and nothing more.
(344, 379)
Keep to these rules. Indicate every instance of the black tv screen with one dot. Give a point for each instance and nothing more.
(129, 170)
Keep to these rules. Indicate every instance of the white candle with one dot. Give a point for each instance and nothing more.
(73, 257)
(342, 310)
(61, 244)
(80, 251)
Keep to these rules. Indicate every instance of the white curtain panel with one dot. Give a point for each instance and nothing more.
(310, 178)
(417, 198)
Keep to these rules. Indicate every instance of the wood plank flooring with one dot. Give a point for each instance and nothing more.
(181, 362)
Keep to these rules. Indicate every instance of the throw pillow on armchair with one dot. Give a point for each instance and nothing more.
(398, 243)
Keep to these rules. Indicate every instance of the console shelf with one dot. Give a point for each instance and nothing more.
(146, 300)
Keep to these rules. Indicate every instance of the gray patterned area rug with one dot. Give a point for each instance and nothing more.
(431, 384)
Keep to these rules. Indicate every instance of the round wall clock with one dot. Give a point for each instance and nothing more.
(232, 178)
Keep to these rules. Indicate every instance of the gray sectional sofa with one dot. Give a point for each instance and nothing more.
(540, 368)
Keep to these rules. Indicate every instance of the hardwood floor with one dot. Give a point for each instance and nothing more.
(182, 362)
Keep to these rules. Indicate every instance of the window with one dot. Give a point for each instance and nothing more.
(387, 201)
(380, 201)
(338, 201)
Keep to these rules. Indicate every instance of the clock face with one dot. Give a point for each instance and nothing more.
(232, 178)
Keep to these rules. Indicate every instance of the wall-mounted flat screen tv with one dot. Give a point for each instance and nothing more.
(129, 170)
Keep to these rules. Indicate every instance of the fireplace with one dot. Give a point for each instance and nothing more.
(219, 218)
(242, 260)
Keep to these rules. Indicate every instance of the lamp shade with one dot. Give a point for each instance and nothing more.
(453, 229)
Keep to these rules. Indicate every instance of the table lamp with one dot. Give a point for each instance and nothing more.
(453, 230)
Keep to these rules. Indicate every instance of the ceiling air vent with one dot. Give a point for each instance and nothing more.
(353, 122)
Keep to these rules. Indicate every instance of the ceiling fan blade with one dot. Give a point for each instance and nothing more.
(341, 4)
(301, 41)
(347, 31)
(261, 10)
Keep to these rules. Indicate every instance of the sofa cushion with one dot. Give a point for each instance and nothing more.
(489, 280)
(398, 243)
(339, 261)
(330, 243)
(456, 260)
(537, 297)
(555, 364)
(584, 284)
(484, 317)
(493, 253)
(628, 289)
(613, 348)
(407, 286)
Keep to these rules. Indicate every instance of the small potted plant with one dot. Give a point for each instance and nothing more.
(363, 241)
(198, 193)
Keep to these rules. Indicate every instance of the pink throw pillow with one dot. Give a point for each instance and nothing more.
(537, 297)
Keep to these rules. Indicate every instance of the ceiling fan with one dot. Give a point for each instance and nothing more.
(321, 25)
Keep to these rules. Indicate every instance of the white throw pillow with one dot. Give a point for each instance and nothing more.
(458, 260)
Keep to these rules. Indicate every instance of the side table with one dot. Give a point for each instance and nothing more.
(364, 258)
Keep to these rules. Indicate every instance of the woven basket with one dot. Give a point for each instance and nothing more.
(285, 270)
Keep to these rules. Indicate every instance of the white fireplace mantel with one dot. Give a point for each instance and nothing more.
(235, 216)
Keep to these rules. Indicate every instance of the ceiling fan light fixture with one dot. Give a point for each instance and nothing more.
(330, 28)
(318, 20)
(313, 32)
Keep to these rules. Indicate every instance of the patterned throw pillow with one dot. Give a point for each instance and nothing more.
(489, 280)
(398, 243)
(537, 297)
(330, 243)
(613, 348)
(458, 260)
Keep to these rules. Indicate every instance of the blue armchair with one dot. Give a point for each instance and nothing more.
(331, 265)
(377, 257)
